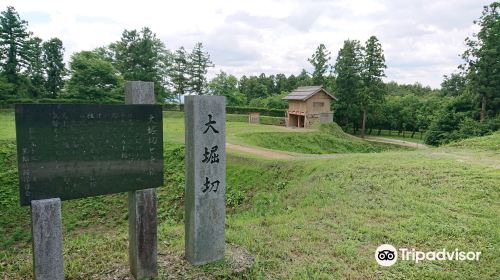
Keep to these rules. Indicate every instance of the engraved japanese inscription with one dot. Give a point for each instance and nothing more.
(73, 151)
(205, 178)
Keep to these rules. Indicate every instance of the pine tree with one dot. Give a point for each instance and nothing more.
(179, 70)
(198, 66)
(320, 61)
(13, 36)
(373, 71)
(35, 69)
(141, 56)
(53, 53)
(348, 68)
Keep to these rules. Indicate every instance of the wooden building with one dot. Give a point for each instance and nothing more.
(308, 105)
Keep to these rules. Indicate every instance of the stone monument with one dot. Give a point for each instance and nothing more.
(205, 207)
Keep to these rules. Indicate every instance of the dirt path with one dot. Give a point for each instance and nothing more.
(395, 142)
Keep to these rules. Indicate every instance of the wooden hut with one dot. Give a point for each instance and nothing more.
(308, 105)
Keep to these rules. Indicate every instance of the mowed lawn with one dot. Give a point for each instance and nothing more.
(300, 219)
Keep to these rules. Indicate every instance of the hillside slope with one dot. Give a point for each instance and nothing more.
(489, 142)
(328, 139)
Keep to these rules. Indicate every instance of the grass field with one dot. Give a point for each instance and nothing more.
(299, 219)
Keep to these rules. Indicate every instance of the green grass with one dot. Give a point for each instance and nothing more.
(394, 134)
(489, 142)
(7, 125)
(313, 143)
(328, 139)
(300, 219)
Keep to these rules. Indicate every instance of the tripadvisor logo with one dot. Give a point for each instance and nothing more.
(387, 255)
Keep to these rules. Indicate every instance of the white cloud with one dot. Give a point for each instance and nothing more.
(421, 38)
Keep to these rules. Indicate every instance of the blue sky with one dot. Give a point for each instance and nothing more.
(422, 39)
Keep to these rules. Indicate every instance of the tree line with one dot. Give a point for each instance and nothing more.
(32, 69)
(466, 105)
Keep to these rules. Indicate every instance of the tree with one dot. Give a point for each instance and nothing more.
(348, 68)
(13, 36)
(199, 63)
(179, 73)
(35, 69)
(253, 87)
(319, 61)
(93, 78)
(227, 85)
(454, 85)
(303, 79)
(373, 71)
(141, 56)
(482, 61)
(281, 83)
(53, 53)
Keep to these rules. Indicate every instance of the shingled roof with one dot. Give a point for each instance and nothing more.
(304, 93)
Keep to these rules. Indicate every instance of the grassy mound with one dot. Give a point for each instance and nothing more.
(489, 142)
(316, 219)
(329, 139)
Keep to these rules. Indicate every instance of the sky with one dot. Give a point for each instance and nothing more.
(422, 39)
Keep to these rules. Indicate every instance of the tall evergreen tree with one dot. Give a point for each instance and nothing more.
(482, 61)
(35, 69)
(198, 66)
(373, 71)
(53, 53)
(348, 68)
(13, 36)
(140, 55)
(179, 73)
(320, 61)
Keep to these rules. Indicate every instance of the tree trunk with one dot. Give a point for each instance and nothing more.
(483, 108)
(370, 131)
(379, 131)
(412, 133)
(363, 125)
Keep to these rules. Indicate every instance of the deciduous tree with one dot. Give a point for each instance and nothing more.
(93, 78)
(482, 61)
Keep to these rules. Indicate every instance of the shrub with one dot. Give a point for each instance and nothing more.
(272, 120)
(236, 118)
(262, 111)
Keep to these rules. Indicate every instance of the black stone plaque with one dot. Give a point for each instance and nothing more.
(73, 151)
